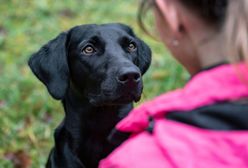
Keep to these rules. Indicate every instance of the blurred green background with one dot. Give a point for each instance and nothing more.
(28, 115)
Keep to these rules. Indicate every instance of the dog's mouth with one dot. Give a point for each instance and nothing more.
(110, 93)
(127, 99)
(108, 100)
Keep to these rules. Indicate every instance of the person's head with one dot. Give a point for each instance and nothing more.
(193, 29)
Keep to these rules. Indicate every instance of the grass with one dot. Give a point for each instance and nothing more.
(28, 115)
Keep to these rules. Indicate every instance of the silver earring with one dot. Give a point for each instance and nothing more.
(174, 42)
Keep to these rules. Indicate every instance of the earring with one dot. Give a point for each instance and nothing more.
(174, 43)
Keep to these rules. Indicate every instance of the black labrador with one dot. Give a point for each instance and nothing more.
(96, 71)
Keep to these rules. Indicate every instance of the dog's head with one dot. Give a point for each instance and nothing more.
(104, 63)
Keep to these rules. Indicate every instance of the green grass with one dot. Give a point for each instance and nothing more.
(28, 115)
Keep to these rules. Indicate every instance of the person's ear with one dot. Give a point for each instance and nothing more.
(50, 66)
(169, 12)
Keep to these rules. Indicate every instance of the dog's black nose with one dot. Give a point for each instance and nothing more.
(129, 76)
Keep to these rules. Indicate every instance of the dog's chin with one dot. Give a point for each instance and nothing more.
(113, 101)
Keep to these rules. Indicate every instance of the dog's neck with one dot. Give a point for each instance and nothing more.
(82, 118)
(78, 111)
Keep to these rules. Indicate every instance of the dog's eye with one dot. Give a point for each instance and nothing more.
(131, 47)
(88, 50)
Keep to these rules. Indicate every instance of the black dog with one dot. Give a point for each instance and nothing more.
(96, 71)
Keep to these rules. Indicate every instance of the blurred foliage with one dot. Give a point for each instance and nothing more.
(28, 115)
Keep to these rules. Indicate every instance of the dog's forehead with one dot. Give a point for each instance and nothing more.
(105, 32)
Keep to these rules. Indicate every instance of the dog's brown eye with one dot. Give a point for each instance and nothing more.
(88, 50)
(131, 47)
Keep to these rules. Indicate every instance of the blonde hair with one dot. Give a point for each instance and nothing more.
(236, 30)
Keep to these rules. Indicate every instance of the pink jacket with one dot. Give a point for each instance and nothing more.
(177, 145)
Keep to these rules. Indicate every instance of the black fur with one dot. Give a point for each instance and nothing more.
(96, 89)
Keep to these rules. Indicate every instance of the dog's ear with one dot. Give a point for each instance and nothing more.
(144, 56)
(50, 66)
